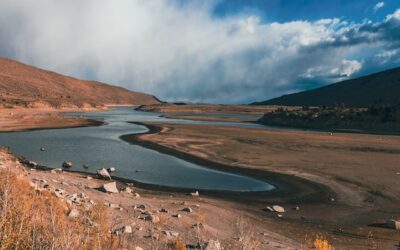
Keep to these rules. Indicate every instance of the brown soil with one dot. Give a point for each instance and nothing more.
(27, 86)
(21, 119)
(361, 169)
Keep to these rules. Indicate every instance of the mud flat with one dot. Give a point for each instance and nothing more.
(361, 170)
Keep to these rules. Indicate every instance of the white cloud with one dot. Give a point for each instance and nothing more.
(347, 68)
(179, 51)
(379, 6)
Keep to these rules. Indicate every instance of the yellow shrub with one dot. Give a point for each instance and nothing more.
(38, 220)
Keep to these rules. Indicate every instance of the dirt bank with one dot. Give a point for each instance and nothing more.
(22, 119)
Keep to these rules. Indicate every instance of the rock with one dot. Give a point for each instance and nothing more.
(163, 210)
(195, 193)
(138, 248)
(128, 190)
(136, 195)
(187, 209)
(123, 230)
(31, 164)
(141, 206)
(42, 149)
(85, 166)
(213, 245)
(278, 209)
(89, 177)
(153, 218)
(110, 187)
(170, 233)
(112, 205)
(104, 173)
(111, 170)
(56, 170)
(177, 216)
(73, 213)
(270, 209)
(297, 208)
(393, 224)
(67, 164)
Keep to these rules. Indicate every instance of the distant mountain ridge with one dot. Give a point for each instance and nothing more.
(376, 89)
(24, 85)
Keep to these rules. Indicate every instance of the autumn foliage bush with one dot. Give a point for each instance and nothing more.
(30, 219)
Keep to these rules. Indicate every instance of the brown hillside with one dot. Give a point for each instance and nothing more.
(24, 85)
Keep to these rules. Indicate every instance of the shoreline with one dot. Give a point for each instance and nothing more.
(288, 188)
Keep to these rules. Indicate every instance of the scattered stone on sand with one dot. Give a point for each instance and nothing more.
(187, 209)
(73, 213)
(170, 233)
(89, 177)
(113, 205)
(128, 190)
(393, 224)
(104, 173)
(195, 193)
(177, 216)
(31, 164)
(111, 169)
(278, 209)
(163, 210)
(141, 206)
(67, 164)
(110, 187)
(153, 218)
(213, 245)
(137, 195)
(56, 170)
(123, 230)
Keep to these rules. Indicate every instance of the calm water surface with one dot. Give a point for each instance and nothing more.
(101, 147)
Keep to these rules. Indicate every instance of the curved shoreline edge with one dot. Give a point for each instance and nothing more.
(288, 188)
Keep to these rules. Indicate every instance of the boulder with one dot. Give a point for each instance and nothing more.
(123, 230)
(278, 209)
(187, 209)
(393, 224)
(111, 169)
(110, 187)
(153, 218)
(104, 173)
(31, 164)
(195, 193)
(213, 245)
(67, 164)
(73, 213)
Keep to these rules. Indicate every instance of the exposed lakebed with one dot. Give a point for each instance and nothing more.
(101, 146)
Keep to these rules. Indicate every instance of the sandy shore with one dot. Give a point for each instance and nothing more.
(229, 222)
(362, 170)
(22, 119)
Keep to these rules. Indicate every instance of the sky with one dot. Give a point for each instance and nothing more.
(214, 51)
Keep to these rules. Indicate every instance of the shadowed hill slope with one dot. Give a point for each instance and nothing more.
(376, 89)
(24, 85)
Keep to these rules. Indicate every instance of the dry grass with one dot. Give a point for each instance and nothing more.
(317, 242)
(38, 220)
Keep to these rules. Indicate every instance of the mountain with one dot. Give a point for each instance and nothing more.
(378, 88)
(24, 85)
